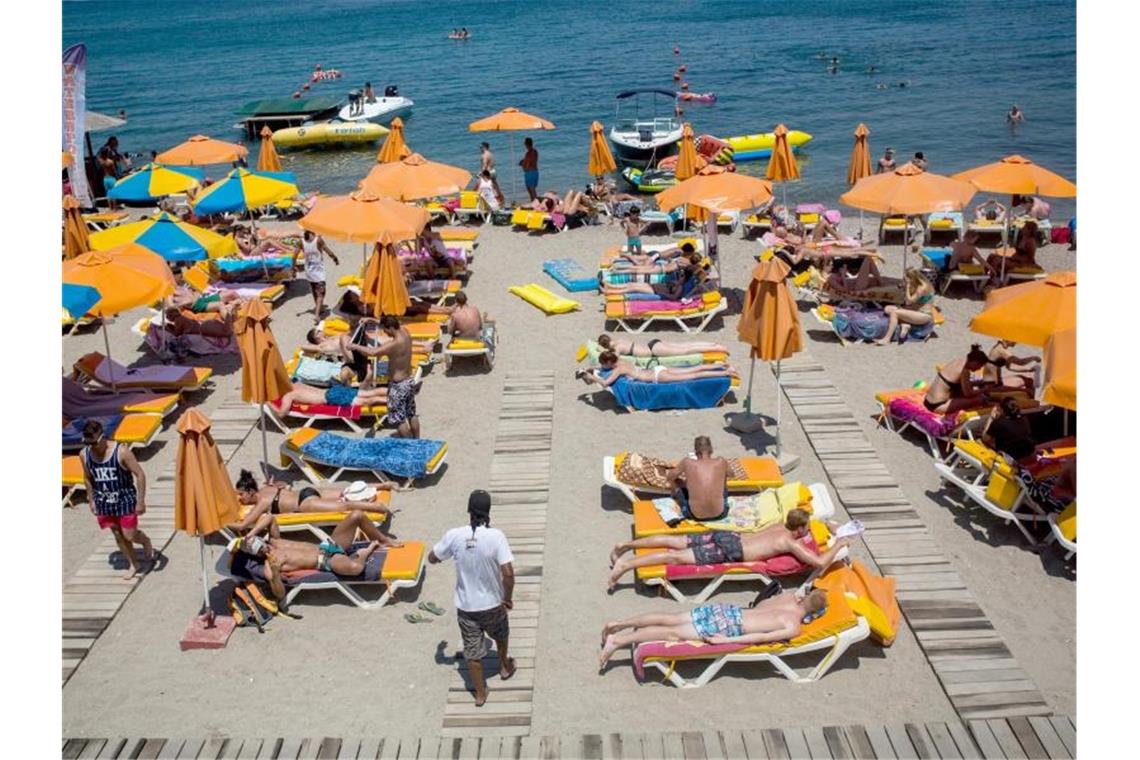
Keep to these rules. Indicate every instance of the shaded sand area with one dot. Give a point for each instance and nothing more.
(342, 671)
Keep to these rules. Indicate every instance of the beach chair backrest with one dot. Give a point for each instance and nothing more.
(468, 199)
(196, 278)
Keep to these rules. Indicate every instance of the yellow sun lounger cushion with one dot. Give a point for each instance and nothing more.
(809, 217)
(1067, 522)
(647, 520)
(995, 223)
(136, 428)
(157, 405)
(72, 470)
(287, 519)
(758, 219)
(759, 473)
(538, 296)
(466, 344)
(971, 269)
(458, 233)
(403, 563)
(418, 330)
(942, 224)
(894, 221)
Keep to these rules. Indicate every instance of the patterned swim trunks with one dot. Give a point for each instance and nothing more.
(723, 619)
(401, 401)
(716, 547)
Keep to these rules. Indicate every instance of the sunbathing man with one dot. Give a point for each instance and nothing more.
(662, 266)
(177, 323)
(280, 498)
(953, 389)
(991, 210)
(352, 305)
(465, 320)
(335, 395)
(965, 251)
(657, 347)
(284, 556)
(222, 302)
(778, 618)
(721, 546)
(700, 485)
(608, 362)
(435, 246)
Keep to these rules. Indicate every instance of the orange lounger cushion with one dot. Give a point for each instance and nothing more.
(72, 471)
(136, 428)
(403, 563)
(647, 520)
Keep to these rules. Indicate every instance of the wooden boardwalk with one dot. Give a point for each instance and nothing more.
(519, 486)
(97, 591)
(1034, 737)
(978, 672)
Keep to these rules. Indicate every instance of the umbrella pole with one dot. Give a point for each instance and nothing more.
(264, 447)
(514, 175)
(778, 407)
(208, 611)
(107, 348)
(748, 398)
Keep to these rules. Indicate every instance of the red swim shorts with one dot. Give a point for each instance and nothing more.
(126, 522)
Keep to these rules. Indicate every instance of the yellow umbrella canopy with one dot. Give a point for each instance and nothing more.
(601, 159)
(263, 375)
(204, 499)
(721, 193)
(782, 165)
(415, 178)
(687, 157)
(384, 288)
(1061, 369)
(1030, 312)
(770, 322)
(860, 165)
(364, 217)
(394, 147)
(200, 150)
(267, 158)
(75, 238)
(1017, 175)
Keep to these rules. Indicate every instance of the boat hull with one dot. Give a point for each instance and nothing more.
(758, 146)
(380, 112)
(631, 151)
(328, 135)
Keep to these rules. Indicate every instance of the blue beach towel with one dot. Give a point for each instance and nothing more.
(402, 457)
(73, 431)
(570, 275)
(703, 393)
(939, 257)
(236, 266)
(856, 323)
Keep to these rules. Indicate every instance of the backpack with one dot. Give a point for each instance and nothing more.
(249, 606)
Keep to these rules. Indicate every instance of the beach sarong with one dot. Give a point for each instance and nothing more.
(701, 393)
(642, 471)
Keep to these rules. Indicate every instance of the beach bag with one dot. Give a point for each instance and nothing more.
(501, 218)
(1059, 235)
(249, 606)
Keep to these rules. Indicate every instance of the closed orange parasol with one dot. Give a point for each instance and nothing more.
(770, 324)
(860, 165)
(1061, 369)
(1017, 175)
(263, 375)
(384, 288)
(1030, 312)
(200, 150)
(782, 166)
(415, 178)
(601, 159)
(75, 239)
(204, 500)
(68, 160)
(267, 158)
(394, 147)
(721, 193)
(509, 120)
(687, 164)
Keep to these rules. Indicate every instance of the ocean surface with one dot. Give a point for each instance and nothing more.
(182, 68)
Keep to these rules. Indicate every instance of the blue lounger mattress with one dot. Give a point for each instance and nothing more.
(570, 275)
(702, 393)
(402, 457)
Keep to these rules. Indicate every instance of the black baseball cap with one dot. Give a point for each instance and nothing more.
(479, 503)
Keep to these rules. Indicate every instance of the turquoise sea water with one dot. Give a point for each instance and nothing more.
(180, 68)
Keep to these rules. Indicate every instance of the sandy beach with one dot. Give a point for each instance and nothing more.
(350, 672)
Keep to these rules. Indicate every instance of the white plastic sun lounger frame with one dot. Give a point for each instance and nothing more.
(833, 646)
(681, 320)
(1022, 511)
(1055, 534)
(913, 227)
(343, 586)
(830, 325)
(273, 414)
(757, 228)
(964, 430)
(309, 469)
(487, 352)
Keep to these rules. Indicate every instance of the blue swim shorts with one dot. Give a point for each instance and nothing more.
(530, 179)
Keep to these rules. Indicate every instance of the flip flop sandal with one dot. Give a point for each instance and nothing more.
(415, 617)
(431, 607)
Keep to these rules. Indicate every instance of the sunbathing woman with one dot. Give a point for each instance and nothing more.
(686, 284)
(917, 310)
(627, 258)
(778, 618)
(608, 361)
(1024, 251)
(824, 230)
(280, 498)
(1002, 358)
(221, 302)
(952, 389)
(336, 395)
(991, 210)
(660, 265)
(657, 347)
(177, 323)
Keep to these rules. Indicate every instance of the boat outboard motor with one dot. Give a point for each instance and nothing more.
(391, 91)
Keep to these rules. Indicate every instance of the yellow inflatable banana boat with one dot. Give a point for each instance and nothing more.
(753, 147)
(328, 134)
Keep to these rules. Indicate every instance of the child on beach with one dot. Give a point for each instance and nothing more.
(633, 229)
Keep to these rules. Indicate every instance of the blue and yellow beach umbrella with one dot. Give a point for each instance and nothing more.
(79, 299)
(169, 237)
(241, 190)
(155, 181)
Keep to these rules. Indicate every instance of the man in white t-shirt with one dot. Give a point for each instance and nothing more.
(312, 253)
(484, 585)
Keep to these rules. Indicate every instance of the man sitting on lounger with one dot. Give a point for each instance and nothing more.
(177, 323)
(284, 556)
(608, 363)
(280, 498)
(465, 320)
(965, 251)
(721, 546)
(335, 395)
(778, 618)
(397, 346)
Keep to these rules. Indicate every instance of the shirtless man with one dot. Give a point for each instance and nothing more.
(700, 485)
(178, 323)
(401, 389)
(335, 395)
(720, 546)
(965, 251)
(887, 162)
(465, 320)
(778, 618)
(283, 556)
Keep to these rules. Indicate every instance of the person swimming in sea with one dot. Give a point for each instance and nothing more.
(1015, 115)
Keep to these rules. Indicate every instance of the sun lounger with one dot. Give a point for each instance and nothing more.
(1063, 530)
(638, 316)
(73, 483)
(654, 217)
(465, 347)
(198, 278)
(1002, 495)
(856, 324)
(728, 221)
(1024, 274)
(137, 430)
(350, 416)
(1044, 228)
(610, 255)
(756, 224)
(420, 264)
(323, 456)
(315, 523)
(84, 401)
(757, 473)
(944, 223)
(72, 325)
(105, 220)
(903, 410)
(96, 369)
(471, 204)
(590, 351)
(571, 275)
(752, 514)
(973, 274)
(150, 329)
(899, 225)
(699, 393)
(235, 270)
(834, 289)
(987, 226)
(832, 634)
(419, 330)
(537, 221)
(391, 568)
(321, 372)
(440, 212)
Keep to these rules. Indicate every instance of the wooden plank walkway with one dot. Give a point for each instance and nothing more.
(978, 672)
(519, 487)
(1019, 737)
(97, 591)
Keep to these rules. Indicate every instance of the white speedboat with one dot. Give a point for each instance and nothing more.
(650, 132)
(380, 111)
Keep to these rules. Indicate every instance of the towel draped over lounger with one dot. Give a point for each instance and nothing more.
(700, 393)
(402, 457)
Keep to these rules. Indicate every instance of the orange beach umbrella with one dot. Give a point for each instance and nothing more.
(1061, 369)
(1030, 312)
(722, 193)
(267, 158)
(200, 150)
(68, 160)
(687, 156)
(908, 191)
(1017, 175)
(75, 237)
(263, 375)
(394, 147)
(860, 165)
(510, 120)
(782, 166)
(415, 178)
(204, 499)
(364, 217)
(601, 159)
(384, 287)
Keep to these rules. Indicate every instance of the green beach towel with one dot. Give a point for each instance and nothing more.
(593, 351)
